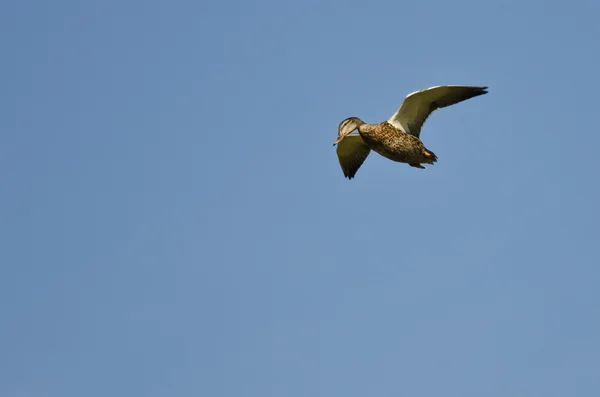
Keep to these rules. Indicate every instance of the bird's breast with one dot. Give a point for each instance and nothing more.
(392, 144)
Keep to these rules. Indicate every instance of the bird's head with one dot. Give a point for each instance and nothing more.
(346, 127)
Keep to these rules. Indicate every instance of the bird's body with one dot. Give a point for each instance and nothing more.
(398, 138)
(394, 144)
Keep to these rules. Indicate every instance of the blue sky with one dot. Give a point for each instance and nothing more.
(174, 221)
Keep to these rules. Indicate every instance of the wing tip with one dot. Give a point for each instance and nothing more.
(349, 174)
(479, 91)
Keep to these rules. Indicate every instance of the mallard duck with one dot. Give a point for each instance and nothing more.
(398, 138)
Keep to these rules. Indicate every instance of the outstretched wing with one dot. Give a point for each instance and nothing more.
(352, 152)
(417, 106)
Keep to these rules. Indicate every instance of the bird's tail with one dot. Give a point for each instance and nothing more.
(430, 155)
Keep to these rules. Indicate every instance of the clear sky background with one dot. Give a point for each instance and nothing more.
(174, 221)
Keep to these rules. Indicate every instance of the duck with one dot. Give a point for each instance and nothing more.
(398, 138)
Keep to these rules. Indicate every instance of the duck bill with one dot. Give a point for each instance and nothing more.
(337, 141)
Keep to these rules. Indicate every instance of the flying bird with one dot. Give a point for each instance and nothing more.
(398, 138)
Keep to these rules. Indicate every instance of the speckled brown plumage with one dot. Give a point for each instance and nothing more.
(395, 144)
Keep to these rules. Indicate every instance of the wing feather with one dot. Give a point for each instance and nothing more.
(352, 151)
(417, 106)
